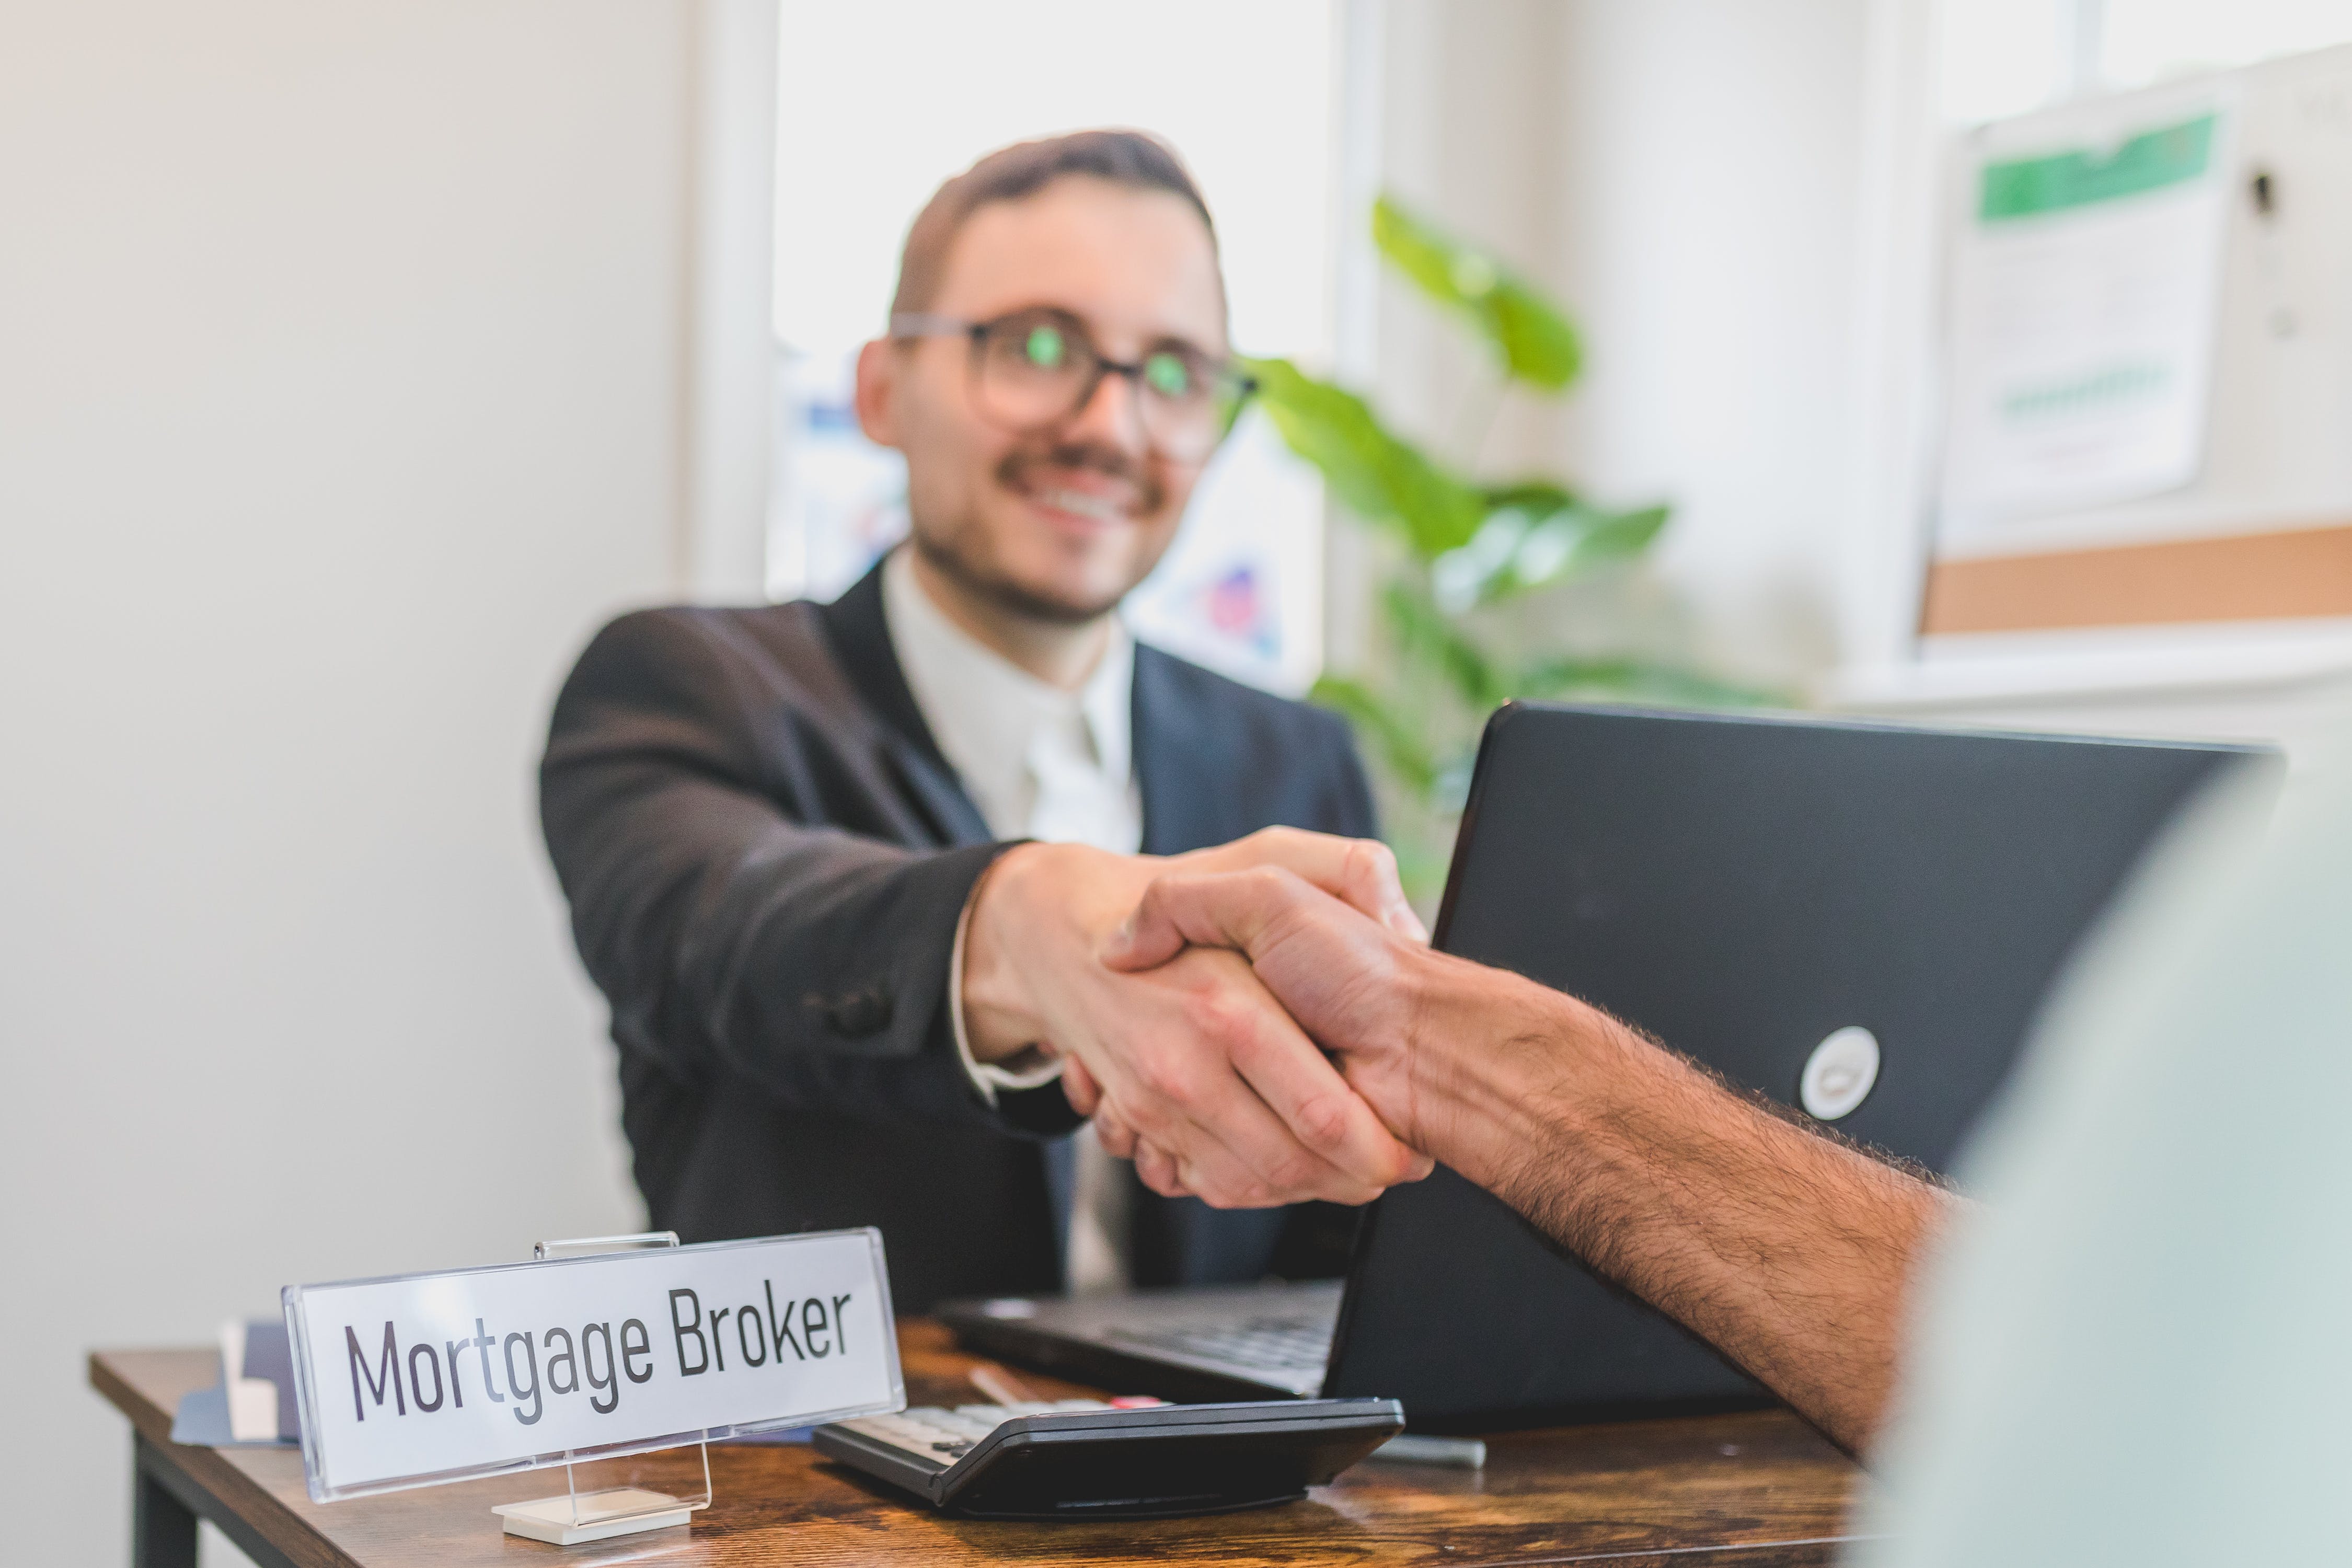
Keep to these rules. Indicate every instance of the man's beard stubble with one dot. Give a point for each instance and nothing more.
(954, 557)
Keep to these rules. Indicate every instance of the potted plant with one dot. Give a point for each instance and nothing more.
(1464, 547)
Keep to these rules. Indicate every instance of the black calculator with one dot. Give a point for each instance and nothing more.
(1080, 1459)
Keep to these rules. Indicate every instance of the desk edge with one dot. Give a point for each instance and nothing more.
(211, 1474)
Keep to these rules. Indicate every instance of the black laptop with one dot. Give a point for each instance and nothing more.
(1859, 920)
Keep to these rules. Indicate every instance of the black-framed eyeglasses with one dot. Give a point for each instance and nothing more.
(1035, 368)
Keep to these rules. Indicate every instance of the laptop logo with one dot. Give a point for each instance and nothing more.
(1839, 1074)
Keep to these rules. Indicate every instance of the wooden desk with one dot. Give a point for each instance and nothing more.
(1746, 1491)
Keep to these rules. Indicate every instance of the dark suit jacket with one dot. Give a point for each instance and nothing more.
(766, 857)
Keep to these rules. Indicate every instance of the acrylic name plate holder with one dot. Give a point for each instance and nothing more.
(602, 1356)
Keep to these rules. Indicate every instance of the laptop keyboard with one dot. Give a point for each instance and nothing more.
(1271, 1345)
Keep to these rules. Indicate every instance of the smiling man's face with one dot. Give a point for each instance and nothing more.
(1055, 524)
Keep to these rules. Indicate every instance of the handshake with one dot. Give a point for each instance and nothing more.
(1237, 1021)
(1265, 1022)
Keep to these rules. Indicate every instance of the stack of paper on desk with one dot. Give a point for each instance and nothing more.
(254, 1401)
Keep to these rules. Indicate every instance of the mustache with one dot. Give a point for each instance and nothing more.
(1019, 464)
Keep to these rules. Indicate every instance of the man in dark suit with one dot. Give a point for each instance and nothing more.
(843, 871)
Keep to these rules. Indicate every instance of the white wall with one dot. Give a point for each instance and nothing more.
(340, 398)
(1710, 175)
(1684, 175)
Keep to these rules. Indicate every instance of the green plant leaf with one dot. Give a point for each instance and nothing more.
(1537, 497)
(1372, 473)
(1426, 635)
(1599, 533)
(1539, 345)
(1537, 533)
(1461, 579)
(1577, 538)
(1401, 749)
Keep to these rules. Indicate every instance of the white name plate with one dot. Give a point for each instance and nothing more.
(441, 1377)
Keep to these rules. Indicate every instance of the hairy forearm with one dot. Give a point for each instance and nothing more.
(1788, 1250)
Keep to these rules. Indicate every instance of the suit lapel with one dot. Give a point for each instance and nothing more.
(1179, 760)
(860, 635)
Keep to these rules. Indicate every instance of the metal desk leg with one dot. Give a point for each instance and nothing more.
(162, 1528)
(166, 1502)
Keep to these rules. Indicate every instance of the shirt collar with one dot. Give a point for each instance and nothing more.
(985, 710)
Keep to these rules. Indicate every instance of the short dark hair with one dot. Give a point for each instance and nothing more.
(1128, 158)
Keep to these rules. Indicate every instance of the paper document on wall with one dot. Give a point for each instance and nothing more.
(2086, 288)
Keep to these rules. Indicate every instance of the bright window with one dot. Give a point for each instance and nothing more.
(879, 102)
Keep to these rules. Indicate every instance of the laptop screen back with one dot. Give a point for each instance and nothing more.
(1745, 890)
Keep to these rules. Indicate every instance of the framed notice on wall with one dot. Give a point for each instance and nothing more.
(2085, 282)
(2147, 367)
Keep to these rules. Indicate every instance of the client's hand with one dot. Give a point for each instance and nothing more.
(1238, 1105)
(1786, 1250)
(1345, 979)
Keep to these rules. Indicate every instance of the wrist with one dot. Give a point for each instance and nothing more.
(1000, 1020)
(1497, 1061)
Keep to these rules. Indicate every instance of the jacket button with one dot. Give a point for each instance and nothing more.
(861, 1012)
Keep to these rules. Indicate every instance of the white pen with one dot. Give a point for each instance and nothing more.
(1412, 1448)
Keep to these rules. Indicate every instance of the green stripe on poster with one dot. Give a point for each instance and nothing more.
(2149, 161)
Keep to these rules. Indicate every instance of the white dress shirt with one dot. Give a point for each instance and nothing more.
(1039, 762)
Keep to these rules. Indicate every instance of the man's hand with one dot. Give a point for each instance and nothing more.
(1238, 1105)
(1348, 981)
(1785, 1249)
